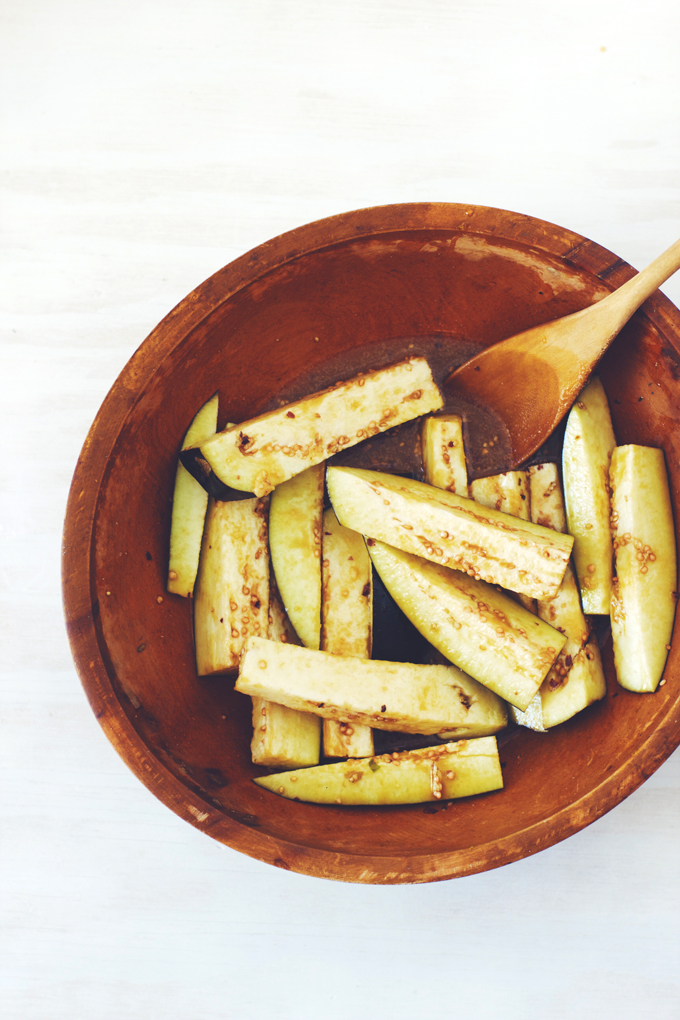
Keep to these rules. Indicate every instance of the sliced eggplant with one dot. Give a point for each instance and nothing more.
(546, 499)
(450, 530)
(444, 453)
(588, 445)
(576, 679)
(295, 523)
(508, 492)
(644, 592)
(401, 697)
(282, 737)
(411, 777)
(266, 451)
(189, 506)
(231, 600)
(480, 629)
(347, 592)
(562, 696)
(199, 469)
(347, 627)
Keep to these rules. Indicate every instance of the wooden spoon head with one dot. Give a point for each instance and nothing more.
(526, 385)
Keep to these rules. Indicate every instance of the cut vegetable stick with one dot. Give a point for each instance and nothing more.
(232, 589)
(450, 530)
(347, 628)
(189, 505)
(475, 626)
(282, 737)
(411, 777)
(644, 592)
(511, 493)
(295, 521)
(346, 739)
(445, 468)
(546, 500)
(563, 696)
(260, 454)
(444, 453)
(347, 591)
(396, 696)
(280, 627)
(564, 611)
(576, 679)
(508, 492)
(588, 445)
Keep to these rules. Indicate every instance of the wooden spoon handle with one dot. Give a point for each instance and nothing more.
(586, 335)
(624, 301)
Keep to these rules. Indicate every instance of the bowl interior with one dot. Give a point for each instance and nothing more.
(313, 307)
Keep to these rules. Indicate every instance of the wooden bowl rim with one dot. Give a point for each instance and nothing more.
(79, 597)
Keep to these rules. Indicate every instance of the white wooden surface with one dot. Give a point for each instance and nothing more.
(145, 144)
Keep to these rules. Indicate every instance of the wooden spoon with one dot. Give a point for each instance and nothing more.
(528, 383)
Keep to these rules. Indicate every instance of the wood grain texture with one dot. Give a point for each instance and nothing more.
(188, 739)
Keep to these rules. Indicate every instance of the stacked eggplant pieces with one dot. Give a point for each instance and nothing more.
(282, 589)
(619, 511)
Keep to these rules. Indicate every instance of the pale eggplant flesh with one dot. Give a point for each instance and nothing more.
(644, 593)
(295, 524)
(189, 507)
(576, 679)
(263, 452)
(588, 445)
(443, 452)
(231, 598)
(401, 697)
(282, 737)
(480, 629)
(347, 622)
(461, 769)
(451, 530)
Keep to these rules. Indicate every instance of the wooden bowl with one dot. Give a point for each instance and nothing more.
(305, 309)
